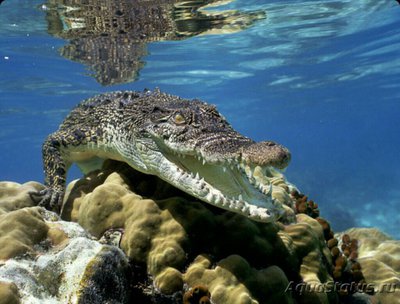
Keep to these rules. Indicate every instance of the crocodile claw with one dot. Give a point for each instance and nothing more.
(48, 198)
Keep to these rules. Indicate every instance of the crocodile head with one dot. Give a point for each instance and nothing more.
(192, 146)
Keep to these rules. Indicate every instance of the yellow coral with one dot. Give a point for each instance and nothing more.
(234, 281)
(14, 196)
(20, 230)
(9, 293)
(169, 281)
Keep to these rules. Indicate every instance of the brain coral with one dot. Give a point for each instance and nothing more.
(183, 242)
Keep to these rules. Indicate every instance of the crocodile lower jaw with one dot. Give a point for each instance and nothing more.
(231, 184)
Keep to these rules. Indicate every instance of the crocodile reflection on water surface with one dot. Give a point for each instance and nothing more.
(111, 37)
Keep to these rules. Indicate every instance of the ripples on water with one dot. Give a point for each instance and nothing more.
(320, 77)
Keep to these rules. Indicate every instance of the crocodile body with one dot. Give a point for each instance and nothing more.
(184, 142)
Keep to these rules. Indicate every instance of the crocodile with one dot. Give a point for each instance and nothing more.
(186, 143)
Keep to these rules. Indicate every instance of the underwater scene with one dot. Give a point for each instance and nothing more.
(319, 78)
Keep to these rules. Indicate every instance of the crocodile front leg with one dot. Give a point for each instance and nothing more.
(55, 169)
(56, 151)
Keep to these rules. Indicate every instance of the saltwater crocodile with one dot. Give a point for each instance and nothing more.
(184, 142)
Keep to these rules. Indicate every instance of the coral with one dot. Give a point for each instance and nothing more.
(197, 295)
(107, 272)
(315, 261)
(9, 293)
(83, 270)
(20, 230)
(233, 280)
(179, 249)
(303, 205)
(346, 267)
(184, 242)
(379, 257)
(346, 270)
(43, 258)
(14, 196)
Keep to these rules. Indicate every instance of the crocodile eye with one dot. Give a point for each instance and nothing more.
(179, 119)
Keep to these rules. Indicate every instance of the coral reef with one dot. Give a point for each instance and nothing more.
(175, 243)
(183, 242)
(175, 249)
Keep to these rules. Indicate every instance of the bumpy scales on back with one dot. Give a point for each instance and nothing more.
(184, 142)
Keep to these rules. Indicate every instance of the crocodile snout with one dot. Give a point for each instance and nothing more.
(266, 153)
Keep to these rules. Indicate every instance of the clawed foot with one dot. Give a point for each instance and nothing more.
(48, 198)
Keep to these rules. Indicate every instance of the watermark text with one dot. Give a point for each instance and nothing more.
(369, 288)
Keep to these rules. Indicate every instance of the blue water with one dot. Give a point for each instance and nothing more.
(320, 77)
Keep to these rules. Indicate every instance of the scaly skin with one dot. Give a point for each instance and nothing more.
(184, 142)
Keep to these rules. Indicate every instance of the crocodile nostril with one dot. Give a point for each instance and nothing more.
(266, 153)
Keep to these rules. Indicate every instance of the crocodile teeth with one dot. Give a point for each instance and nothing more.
(248, 171)
(251, 175)
(245, 209)
(204, 161)
(203, 190)
(267, 190)
(210, 197)
(225, 202)
(232, 205)
(197, 175)
(237, 205)
(224, 169)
